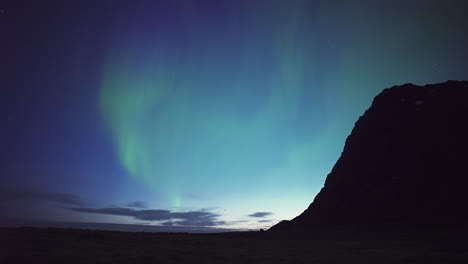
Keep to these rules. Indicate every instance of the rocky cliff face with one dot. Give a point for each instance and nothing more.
(406, 160)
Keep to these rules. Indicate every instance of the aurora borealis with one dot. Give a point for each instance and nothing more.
(183, 118)
(230, 111)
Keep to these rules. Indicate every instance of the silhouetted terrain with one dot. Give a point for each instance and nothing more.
(404, 162)
(335, 245)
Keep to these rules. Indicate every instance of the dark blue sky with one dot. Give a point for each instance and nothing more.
(204, 114)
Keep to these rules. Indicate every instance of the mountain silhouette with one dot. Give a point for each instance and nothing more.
(405, 161)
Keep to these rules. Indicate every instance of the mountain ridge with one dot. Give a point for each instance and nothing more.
(403, 162)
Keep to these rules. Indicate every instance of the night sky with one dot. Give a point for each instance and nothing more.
(197, 113)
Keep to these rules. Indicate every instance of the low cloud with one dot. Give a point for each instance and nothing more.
(265, 221)
(137, 209)
(191, 218)
(23, 194)
(260, 214)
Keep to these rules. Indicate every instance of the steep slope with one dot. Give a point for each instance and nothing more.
(406, 160)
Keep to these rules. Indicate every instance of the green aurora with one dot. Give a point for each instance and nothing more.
(199, 113)
(261, 99)
(182, 128)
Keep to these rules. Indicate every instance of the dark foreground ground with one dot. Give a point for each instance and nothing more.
(332, 245)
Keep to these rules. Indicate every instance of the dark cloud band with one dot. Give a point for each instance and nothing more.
(191, 218)
(260, 214)
(22, 194)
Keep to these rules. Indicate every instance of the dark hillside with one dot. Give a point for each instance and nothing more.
(406, 161)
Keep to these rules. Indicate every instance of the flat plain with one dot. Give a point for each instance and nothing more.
(329, 245)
